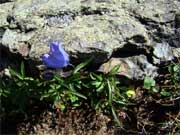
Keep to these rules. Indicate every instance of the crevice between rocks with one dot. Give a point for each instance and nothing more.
(159, 35)
(88, 11)
(17, 25)
(2, 31)
(5, 1)
(149, 22)
(127, 51)
(8, 58)
(130, 50)
(13, 60)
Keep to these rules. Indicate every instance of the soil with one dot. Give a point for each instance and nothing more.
(149, 116)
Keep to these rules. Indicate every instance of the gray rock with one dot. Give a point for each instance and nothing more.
(5, 8)
(135, 67)
(160, 11)
(163, 52)
(14, 39)
(90, 28)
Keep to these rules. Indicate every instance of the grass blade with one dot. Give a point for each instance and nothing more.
(115, 116)
(14, 73)
(109, 92)
(78, 94)
(82, 65)
(114, 70)
(22, 70)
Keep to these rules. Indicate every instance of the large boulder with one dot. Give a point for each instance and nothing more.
(135, 32)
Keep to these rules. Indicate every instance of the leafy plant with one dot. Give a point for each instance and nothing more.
(174, 70)
(66, 91)
(105, 92)
(100, 90)
(17, 90)
(149, 82)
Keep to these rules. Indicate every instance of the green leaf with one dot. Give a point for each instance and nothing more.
(56, 98)
(71, 87)
(131, 93)
(176, 68)
(94, 76)
(6, 93)
(20, 83)
(52, 86)
(165, 93)
(120, 102)
(22, 70)
(155, 89)
(62, 106)
(109, 92)
(82, 65)
(115, 116)
(50, 91)
(78, 94)
(29, 78)
(45, 95)
(73, 98)
(97, 105)
(96, 83)
(58, 78)
(170, 69)
(100, 88)
(177, 77)
(66, 86)
(14, 73)
(114, 70)
(76, 104)
(149, 82)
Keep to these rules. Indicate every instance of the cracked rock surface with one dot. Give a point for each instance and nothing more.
(139, 34)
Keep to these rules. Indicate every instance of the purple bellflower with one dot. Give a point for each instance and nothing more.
(57, 57)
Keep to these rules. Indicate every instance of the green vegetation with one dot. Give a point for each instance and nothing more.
(101, 91)
(169, 89)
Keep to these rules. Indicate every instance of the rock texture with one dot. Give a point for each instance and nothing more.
(138, 33)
